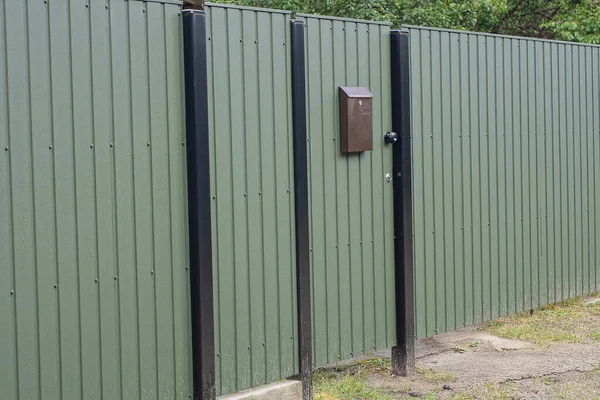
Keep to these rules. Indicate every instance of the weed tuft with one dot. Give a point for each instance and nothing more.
(433, 376)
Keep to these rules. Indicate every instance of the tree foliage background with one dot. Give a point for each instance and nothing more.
(571, 20)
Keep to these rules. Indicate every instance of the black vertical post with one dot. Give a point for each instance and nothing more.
(199, 215)
(301, 207)
(403, 355)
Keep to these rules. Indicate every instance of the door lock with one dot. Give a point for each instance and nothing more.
(390, 137)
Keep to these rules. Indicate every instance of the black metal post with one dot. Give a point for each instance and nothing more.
(301, 206)
(403, 355)
(198, 179)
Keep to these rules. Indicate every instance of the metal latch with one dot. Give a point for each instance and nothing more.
(390, 137)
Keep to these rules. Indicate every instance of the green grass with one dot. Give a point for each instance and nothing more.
(372, 365)
(433, 376)
(348, 382)
(329, 386)
(569, 321)
(487, 391)
(429, 396)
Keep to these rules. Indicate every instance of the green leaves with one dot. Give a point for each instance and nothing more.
(475, 15)
(578, 23)
(571, 20)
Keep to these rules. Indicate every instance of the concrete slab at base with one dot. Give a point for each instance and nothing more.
(291, 390)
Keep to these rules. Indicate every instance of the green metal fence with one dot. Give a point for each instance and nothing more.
(351, 203)
(253, 196)
(506, 175)
(93, 281)
(94, 284)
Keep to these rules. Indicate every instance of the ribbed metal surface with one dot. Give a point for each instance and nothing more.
(506, 165)
(351, 209)
(252, 188)
(93, 281)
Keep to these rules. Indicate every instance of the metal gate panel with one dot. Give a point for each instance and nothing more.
(351, 204)
(252, 189)
(505, 176)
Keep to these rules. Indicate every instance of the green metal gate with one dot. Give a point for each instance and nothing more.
(351, 203)
(506, 175)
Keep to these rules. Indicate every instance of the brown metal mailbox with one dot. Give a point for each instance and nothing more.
(356, 112)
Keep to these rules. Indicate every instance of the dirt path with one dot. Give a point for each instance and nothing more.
(560, 360)
(462, 360)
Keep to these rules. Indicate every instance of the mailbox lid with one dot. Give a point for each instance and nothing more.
(356, 92)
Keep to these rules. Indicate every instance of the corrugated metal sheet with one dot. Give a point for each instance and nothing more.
(252, 188)
(93, 288)
(506, 164)
(351, 204)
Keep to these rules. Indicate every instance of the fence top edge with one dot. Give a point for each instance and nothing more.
(178, 3)
(498, 36)
(330, 18)
(246, 8)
